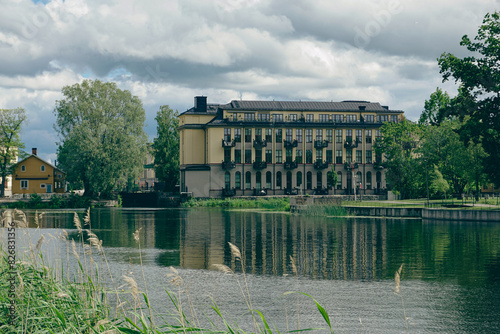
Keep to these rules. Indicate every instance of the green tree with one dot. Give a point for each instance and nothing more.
(166, 147)
(479, 95)
(103, 143)
(475, 165)
(433, 107)
(438, 183)
(11, 121)
(332, 178)
(399, 143)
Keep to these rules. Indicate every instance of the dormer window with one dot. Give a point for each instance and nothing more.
(42, 168)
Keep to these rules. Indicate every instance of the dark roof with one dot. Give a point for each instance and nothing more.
(211, 109)
(304, 106)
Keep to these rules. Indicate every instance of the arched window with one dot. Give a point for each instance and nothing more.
(227, 180)
(368, 180)
(319, 180)
(359, 180)
(379, 180)
(299, 179)
(278, 180)
(258, 180)
(309, 180)
(288, 180)
(237, 180)
(339, 183)
(269, 177)
(248, 180)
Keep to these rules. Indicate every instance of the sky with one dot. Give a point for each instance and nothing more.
(168, 51)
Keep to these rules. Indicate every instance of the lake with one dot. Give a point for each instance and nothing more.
(450, 279)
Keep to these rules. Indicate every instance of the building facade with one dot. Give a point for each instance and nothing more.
(34, 175)
(247, 148)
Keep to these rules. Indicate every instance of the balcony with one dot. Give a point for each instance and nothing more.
(290, 165)
(228, 192)
(228, 143)
(259, 143)
(290, 143)
(351, 143)
(320, 143)
(378, 165)
(228, 165)
(259, 165)
(349, 166)
(320, 164)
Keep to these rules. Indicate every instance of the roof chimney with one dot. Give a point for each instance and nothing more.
(33, 151)
(200, 103)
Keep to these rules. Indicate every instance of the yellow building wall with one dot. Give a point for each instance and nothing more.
(35, 177)
(192, 146)
(215, 149)
(195, 119)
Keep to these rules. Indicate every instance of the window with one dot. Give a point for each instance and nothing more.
(359, 136)
(338, 118)
(298, 135)
(248, 156)
(377, 134)
(350, 118)
(24, 184)
(368, 156)
(369, 118)
(309, 180)
(258, 180)
(269, 156)
(42, 167)
(319, 134)
(42, 185)
(279, 156)
(237, 135)
(394, 118)
(309, 136)
(278, 180)
(338, 136)
(250, 117)
(348, 135)
(227, 180)
(323, 118)
(278, 117)
(289, 134)
(359, 156)
(293, 117)
(288, 155)
(227, 134)
(329, 156)
(298, 156)
(248, 135)
(258, 155)
(309, 156)
(279, 135)
(319, 155)
(237, 156)
(368, 180)
(269, 135)
(339, 178)
(382, 118)
(23, 168)
(264, 117)
(235, 116)
(269, 176)
(258, 134)
(368, 136)
(348, 154)
(310, 118)
(319, 180)
(248, 180)
(329, 135)
(237, 180)
(299, 179)
(338, 156)
(227, 154)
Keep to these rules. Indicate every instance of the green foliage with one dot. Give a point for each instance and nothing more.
(103, 143)
(35, 201)
(433, 108)
(479, 95)
(438, 184)
(166, 148)
(332, 178)
(325, 210)
(11, 121)
(274, 204)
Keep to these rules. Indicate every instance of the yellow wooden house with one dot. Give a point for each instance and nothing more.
(35, 175)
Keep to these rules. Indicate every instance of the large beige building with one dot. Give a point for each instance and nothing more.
(246, 148)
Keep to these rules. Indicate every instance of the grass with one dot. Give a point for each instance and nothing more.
(51, 297)
(272, 204)
(325, 210)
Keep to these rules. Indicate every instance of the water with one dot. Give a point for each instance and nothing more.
(450, 281)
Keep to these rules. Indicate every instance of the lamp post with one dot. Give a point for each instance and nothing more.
(350, 167)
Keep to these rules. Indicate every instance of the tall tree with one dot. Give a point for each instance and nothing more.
(103, 143)
(11, 121)
(479, 77)
(166, 147)
(433, 107)
(399, 144)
